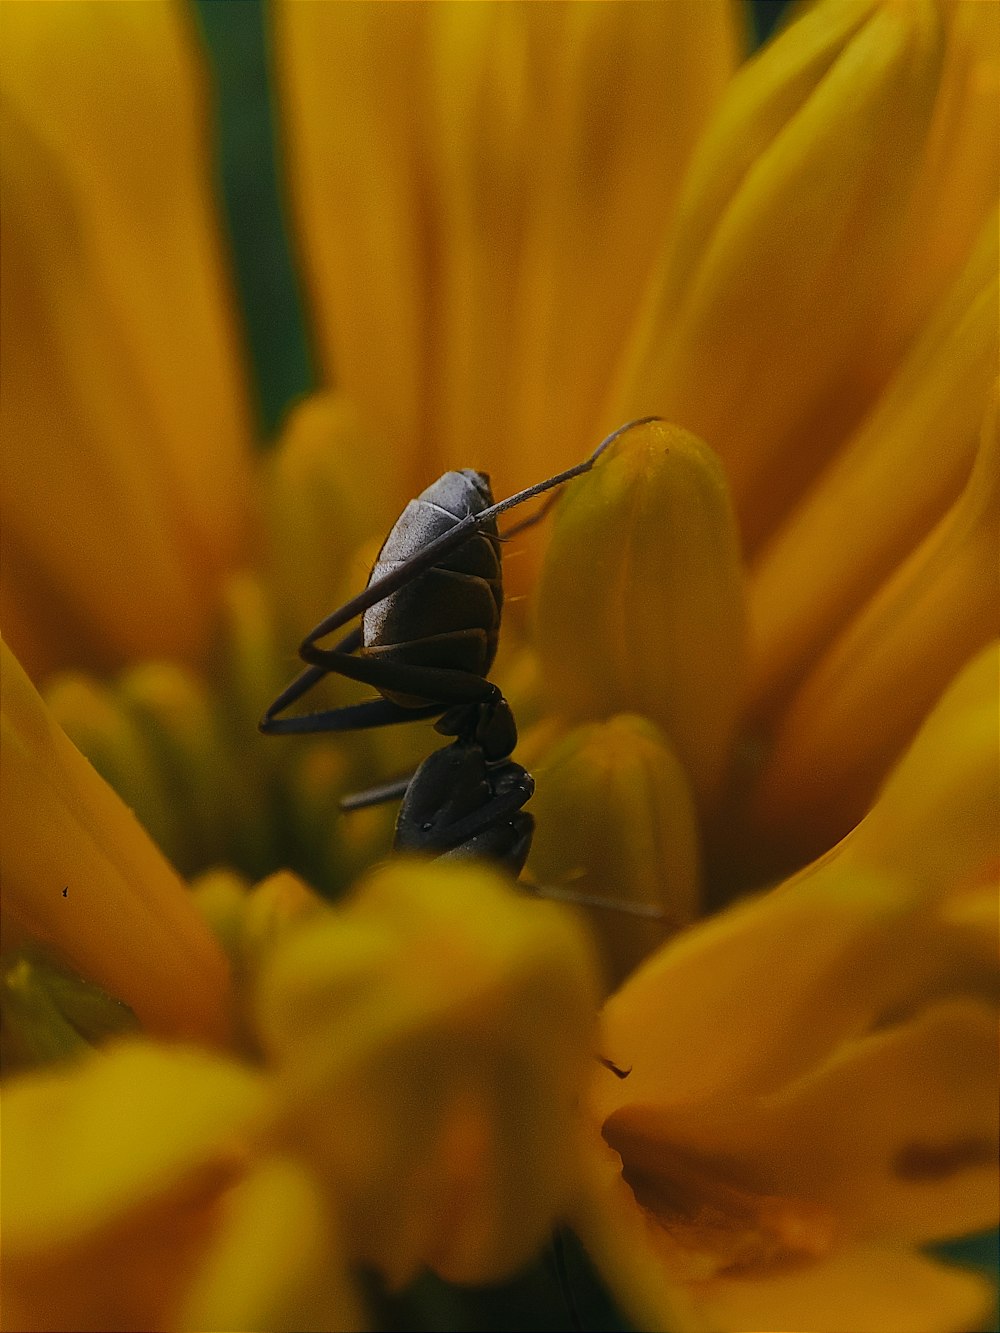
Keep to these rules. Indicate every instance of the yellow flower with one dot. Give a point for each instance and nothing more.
(756, 640)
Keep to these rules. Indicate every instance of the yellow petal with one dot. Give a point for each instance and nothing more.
(896, 1133)
(876, 1288)
(455, 168)
(125, 920)
(884, 490)
(324, 496)
(91, 715)
(347, 76)
(552, 129)
(448, 1022)
(754, 996)
(615, 823)
(865, 700)
(276, 1262)
(120, 356)
(937, 819)
(50, 1014)
(778, 267)
(640, 606)
(112, 1172)
(958, 182)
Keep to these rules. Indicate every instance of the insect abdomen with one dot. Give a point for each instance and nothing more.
(450, 616)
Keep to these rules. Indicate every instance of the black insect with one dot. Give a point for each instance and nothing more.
(430, 625)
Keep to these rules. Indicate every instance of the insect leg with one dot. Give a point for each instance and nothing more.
(385, 791)
(440, 683)
(351, 717)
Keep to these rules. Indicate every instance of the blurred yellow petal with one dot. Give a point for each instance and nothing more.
(615, 823)
(120, 359)
(454, 1019)
(553, 128)
(324, 495)
(868, 695)
(276, 1261)
(960, 176)
(875, 1288)
(91, 715)
(936, 822)
(640, 604)
(886, 487)
(125, 920)
(455, 168)
(779, 264)
(347, 75)
(112, 1174)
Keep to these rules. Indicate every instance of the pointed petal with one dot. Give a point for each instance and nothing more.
(885, 489)
(957, 188)
(778, 267)
(126, 921)
(640, 605)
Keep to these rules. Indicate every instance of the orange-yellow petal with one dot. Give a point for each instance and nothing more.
(937, 818)
(885, 489)
(455, 169)
(772, 287)
(125, 416)
(866, 698)
(960, 175)
(640, 605)
(125, 920)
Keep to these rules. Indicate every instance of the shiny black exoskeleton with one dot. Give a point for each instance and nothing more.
(430, 624)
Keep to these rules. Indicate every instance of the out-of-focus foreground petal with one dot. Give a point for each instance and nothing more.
(113, 1174)
(455, 1020)
(81, 876)
(139, 1193)
(640, 604)
(456, 168)
(125, 420)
